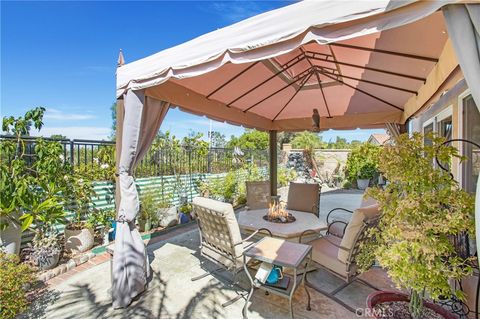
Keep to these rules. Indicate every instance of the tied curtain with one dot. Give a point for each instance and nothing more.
(141, 120)
(463, 25)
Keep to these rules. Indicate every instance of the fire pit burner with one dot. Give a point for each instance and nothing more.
(280, 220)
(277, 212)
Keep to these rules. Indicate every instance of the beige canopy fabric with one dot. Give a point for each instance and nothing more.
(358, 64)
(141, 120)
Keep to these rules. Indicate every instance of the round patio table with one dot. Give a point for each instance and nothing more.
(251, 220)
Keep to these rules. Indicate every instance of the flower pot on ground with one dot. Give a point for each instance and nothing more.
(79, 233)
(383, 304)
(362, 164)
(44, 253)
(78, 238)
(366, 172)
(145, 225)
(147, 217)
(363, 183)
(184, 212)
(422, 209)
(101, 220)
(11, 238)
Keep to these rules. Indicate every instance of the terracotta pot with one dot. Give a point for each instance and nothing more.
(387, 296)
(78, 240)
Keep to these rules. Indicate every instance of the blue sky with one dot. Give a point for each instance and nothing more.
(62, 55)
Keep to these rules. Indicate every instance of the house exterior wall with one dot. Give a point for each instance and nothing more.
(450, 101)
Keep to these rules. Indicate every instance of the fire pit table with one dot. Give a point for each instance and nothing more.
(251, 220)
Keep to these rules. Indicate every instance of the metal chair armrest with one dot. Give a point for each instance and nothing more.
(335, 222)
(253, 234)
(336, 209)
(308, 231)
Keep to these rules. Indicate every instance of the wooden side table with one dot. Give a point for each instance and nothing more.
(280, 253)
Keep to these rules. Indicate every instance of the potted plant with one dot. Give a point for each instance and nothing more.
(366, 172)
(148, 212)
(32, 191)
(422, 208)
(79, 234)
(184, 213)
(362, 164)
(16, 282)
(44, 253)
(102, 219)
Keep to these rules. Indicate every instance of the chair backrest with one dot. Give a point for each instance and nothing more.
(356, 231)
(219, 232)
(258, 194)
(304, 197)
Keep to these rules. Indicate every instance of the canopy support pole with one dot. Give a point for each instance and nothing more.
(273, 163)
(118, 148)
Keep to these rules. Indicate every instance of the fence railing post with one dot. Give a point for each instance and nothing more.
(72, 154)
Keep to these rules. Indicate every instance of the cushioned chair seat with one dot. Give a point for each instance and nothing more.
(325, 254)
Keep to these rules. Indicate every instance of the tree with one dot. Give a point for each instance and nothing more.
(307, 140)
(285, 137)
(251, 139)
(58, 137)
(355, 143)
(217, 139)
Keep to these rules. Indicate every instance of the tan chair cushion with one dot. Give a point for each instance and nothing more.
(258, 194)
(220, 236)
(303, 197)
(325, 254)
(354, 226)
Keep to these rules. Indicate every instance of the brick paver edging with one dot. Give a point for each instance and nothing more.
(98, 255)
(81, 263)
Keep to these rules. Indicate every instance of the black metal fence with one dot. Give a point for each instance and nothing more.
(85, 155)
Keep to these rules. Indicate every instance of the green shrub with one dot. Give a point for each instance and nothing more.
(285, 176)
(362, 162)
(347, 184)
(148, 208)
(422, 208)
(16, 280)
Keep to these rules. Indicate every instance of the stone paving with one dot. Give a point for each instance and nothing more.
(174, 259)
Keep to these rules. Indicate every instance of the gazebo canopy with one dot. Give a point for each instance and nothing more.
(360, 65)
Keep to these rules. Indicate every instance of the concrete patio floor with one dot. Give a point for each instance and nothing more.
(171, 293)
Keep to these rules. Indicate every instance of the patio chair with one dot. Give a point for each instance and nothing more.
(220, 238)
(257, 194)
(304, 197)
(338, 255)
(337, 223)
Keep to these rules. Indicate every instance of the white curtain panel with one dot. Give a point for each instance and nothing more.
(463, 25)
(130, 271)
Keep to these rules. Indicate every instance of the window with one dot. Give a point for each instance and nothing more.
(471, 132)
(428, 128)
